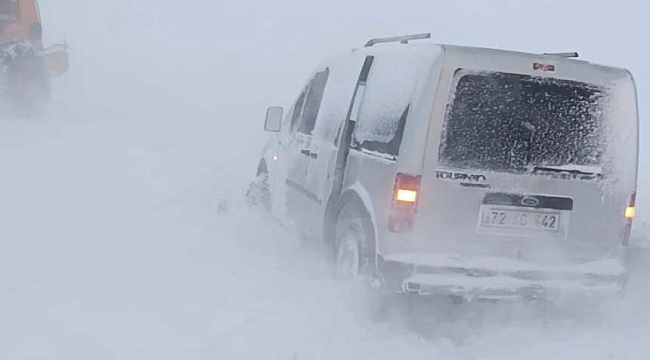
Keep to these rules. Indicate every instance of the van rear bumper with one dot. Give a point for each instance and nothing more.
(497, 278)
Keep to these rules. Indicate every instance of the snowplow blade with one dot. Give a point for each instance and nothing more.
(57, 59)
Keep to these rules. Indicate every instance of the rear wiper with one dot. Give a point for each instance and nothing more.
(567, 170)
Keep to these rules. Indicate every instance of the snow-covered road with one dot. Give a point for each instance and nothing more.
(118, 241)
(119, 246)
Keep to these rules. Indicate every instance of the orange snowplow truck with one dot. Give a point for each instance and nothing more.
(26, 67)
(20, 21)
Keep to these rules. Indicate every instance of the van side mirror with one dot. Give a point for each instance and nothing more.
(273, 121)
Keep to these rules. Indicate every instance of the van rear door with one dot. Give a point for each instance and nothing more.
(528, 158)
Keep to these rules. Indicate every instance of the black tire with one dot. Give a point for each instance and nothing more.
(259, 192)
(353, 242)
(354, 257)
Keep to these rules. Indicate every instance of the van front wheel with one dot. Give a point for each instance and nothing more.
(259, 193)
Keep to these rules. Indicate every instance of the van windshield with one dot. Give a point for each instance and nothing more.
(519, 123)
(8, 11)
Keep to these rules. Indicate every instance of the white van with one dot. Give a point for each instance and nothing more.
(438, 169)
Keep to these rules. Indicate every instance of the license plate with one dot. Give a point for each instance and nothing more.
(519, 219)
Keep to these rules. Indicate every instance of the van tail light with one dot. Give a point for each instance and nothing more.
(405, 202)
(630, 211)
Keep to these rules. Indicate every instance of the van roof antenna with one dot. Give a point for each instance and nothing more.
(404, 39)
(564, 54)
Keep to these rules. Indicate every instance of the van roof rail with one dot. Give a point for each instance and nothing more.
(404, 39)
(564, 54)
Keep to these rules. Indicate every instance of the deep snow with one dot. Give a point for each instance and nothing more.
(123, 242)
(124, 246)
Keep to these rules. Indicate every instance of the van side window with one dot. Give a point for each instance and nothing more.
(390, 147)
(385, 107)
(313, 102)
(297, 110)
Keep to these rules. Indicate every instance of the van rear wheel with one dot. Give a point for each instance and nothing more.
(351, 238)
(354, 255)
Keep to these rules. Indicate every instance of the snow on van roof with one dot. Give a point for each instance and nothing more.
(383, 48)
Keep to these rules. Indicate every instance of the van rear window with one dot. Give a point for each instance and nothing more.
(514, 123)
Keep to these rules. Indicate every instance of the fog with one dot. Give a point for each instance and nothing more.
(124, 233)
(231, 59)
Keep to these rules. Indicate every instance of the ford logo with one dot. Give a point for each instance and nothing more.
(530, 201)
